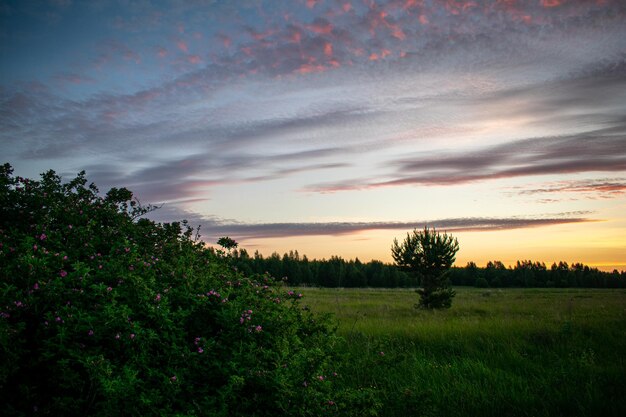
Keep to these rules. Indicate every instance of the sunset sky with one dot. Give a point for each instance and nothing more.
(332, 127)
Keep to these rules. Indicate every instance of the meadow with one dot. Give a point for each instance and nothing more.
(498, 352)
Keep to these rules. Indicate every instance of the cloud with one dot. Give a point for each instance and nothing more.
(595, 188)
(181, 180)
(209, 108)
(74, 78)
(213, 228)
(595, 151)
(182, 45)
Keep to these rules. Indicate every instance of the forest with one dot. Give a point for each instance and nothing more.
(337, 272)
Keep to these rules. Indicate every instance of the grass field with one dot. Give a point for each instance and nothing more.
(512, 352)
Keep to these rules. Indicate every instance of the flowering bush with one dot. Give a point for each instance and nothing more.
(103, 312)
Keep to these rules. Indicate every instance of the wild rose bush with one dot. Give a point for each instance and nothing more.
(103, 312)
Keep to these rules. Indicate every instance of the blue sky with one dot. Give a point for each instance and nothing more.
(332, 127)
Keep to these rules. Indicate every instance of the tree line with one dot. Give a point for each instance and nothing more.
(338, 272)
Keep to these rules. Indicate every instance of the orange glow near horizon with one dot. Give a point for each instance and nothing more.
(605, 251)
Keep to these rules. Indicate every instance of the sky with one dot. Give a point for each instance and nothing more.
(332, 127)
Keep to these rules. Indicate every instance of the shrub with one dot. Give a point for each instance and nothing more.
(103, 312)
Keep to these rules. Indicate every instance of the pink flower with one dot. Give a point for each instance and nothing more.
(132, 335)
(200, 350)
(34, 247)
(381, 353)
(109, 289)
(90, 332)
(157, 298)
(43, 236)
(173, 379)
(117, 336)
(258, 329)
(63, 273)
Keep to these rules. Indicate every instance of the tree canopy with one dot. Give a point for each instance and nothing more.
(429, 254)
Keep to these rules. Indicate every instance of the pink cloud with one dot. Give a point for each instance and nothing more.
(161, 52)
(132, 56)
(551, 3)
(409, 4)
(328, 49)
(309, 68)
(293, 34)
(182, 46)
(226, 40)
(321, 27)
(193, 59)
(259, 36)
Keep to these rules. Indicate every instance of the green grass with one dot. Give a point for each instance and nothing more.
(513, 352)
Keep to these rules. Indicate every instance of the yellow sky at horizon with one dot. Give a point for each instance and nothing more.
(603, 248)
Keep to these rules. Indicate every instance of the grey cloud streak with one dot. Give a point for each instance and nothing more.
(212, 228)
(602, 150)
(603, 188)
(191, 177)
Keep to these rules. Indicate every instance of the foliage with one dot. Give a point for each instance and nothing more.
(528, 274)
(333, 272)
(227, 243)
(103, 312)
(338, 272)
(430, 254)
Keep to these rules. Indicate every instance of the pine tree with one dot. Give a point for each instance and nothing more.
(430, 255)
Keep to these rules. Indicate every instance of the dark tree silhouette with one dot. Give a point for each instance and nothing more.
(430, 255)
(227, 243)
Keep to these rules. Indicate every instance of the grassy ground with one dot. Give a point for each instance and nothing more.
(513, 352)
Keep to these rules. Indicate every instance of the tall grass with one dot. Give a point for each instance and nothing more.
(517, 352)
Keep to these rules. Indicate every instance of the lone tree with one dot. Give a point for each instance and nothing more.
(430, 255)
